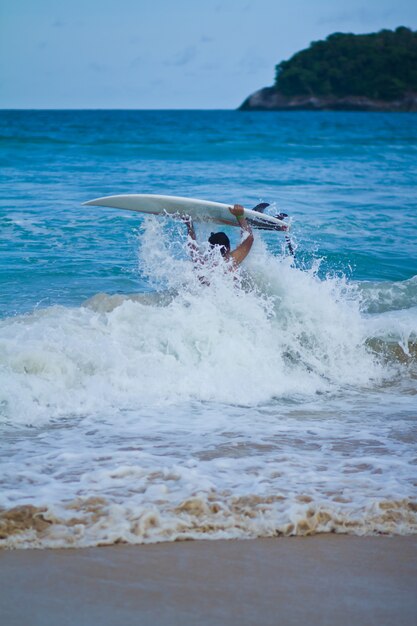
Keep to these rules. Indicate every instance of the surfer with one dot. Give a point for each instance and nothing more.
(221, 240)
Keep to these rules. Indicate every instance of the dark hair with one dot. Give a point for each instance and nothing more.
(220, 239)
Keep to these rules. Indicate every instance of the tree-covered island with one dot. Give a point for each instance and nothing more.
(375, 72)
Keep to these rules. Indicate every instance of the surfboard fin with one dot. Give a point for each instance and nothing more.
(260, 207)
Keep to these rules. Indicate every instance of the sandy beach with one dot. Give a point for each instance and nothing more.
(325, 579)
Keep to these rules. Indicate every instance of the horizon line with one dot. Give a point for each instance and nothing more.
(111, 109)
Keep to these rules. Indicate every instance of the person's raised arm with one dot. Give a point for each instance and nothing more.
(243, 249)
(191, 239)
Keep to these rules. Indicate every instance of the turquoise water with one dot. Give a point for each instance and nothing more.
(346, 179)
(152, 408)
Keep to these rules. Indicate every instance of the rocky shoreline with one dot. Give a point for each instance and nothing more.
(270, 99)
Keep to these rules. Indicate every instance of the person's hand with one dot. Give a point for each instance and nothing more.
(237, 211)
(186, 219)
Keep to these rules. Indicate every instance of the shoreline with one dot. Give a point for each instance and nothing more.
(324, 579)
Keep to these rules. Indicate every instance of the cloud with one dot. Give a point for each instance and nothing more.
(231, 8)
(136, 62)
(184, 57)
(99, 68)
(252, 63)
(211, 66)
(363, 16)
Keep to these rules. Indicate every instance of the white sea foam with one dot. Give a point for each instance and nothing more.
(386, 296)
(396, 327)
(249, 407)
(286, 333)
(209, 472)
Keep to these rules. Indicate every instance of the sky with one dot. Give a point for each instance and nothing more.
(165, 54)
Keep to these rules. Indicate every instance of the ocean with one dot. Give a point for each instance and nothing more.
(138, 405)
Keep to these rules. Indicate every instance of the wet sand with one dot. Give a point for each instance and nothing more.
(321, 580)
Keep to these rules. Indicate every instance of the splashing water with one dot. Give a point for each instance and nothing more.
(281, 330)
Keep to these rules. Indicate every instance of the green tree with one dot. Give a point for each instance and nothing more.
(379, 65)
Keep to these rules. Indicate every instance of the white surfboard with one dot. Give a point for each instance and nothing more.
(198, 210)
